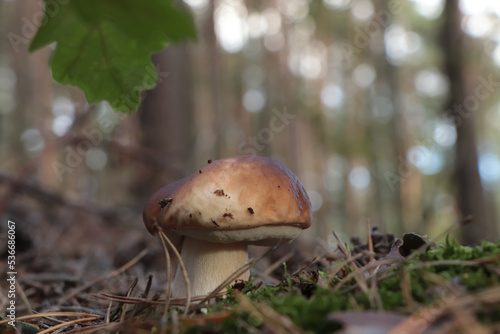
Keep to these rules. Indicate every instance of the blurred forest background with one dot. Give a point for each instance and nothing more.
(388, 111)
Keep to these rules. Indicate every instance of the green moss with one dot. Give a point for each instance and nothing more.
(451, 250)
(309, 314)
(474, 278)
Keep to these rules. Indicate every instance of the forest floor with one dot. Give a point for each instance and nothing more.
(94, 272)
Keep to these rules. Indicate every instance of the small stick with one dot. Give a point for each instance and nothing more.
(148, 286)
(108, 313)
(370, 240)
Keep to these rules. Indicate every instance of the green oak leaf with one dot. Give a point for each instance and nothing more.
(104, 46)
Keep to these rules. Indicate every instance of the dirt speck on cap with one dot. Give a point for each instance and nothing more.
(251, 211)
(230, 215)
(214, 222)
(164, 202)
(219, 192)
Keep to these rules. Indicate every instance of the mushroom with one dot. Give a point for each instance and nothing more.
(232, 203)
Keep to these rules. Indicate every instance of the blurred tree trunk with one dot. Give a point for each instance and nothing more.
(219, 114)
(391, 215)
(166, 126)
(166, 121)
(471, 197)
(33, 87)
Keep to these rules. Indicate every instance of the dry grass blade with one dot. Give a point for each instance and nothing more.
(344, 250)
(467, 322)
(265, 275)
(468, 263)
(183, 268)
(439, 281)
(124, 306)
(374, 295)
(75, 308)
(25, 300)
(276, 322)
(105, 277)
(386, 274)
(67, 323)
(128, 300)
(309, 263)
(405, 284)
(341, 263)
(277, 263)
(489, 296)
(202, 319)
(148, 286)
(139, 300)
(139, 308)
(370, 240)
(108, 313)
(100, 328)
(169, 274)
(425, 317)
(51, 314)
(357, 273)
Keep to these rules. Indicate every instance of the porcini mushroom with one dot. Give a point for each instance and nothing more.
(232, 203)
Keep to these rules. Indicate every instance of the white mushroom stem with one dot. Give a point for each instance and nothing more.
(208, 264)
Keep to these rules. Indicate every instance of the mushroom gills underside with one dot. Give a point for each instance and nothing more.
(268, 235)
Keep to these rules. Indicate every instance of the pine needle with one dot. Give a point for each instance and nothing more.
(183, 268)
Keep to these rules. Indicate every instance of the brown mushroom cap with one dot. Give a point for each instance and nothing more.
(153, 207)
(242, 198)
